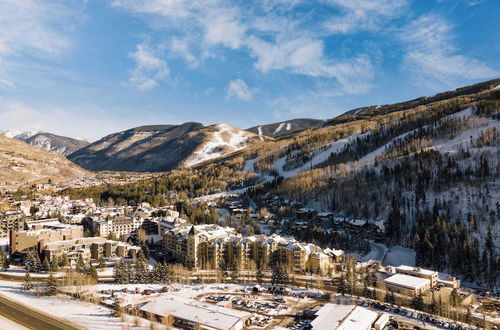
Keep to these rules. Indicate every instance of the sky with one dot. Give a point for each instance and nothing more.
(88, 68)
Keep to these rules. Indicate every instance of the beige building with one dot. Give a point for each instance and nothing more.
(10, 220)
(89, 248)
(215, 247)
(431, 275)
(119, 226)
(25, 239)
(407, 285)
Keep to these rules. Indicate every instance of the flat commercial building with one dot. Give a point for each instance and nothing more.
(344, 317)
(191, 314)
(407, 285)
(431, 275)
(43, 234)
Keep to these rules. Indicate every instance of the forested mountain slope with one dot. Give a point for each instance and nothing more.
(162, 147)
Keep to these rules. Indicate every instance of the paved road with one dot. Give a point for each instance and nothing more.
(29, 318)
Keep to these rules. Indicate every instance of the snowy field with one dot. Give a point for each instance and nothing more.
(398, 255)
(89, 315)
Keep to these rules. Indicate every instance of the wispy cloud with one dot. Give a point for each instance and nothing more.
(363, 14)
(149, 68)
(277, 40)
(432, 55)
(36, 26)
(239, 89)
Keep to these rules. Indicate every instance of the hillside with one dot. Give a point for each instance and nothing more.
(23, 164)
(61, 145)
(162, 147)
(421, 174)
(285, 128)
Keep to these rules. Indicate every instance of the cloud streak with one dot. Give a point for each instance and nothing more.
(432, 55)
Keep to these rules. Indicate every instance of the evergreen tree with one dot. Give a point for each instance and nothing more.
(102, 263)
(64, 262)
(93, 274)
(390, 298)
(454, 298)
(343, 286)
(4, 261)
(433, 306)
(27, 285)
(118, 309)
(417, 302)
(80, 265)
(51, 286)
(119, 272)
(54, 264)
(279, 275)
(46, 265)
(32, 262)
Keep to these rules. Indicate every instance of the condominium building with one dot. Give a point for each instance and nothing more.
(10, 220)
(89, 248)
(214, 247)
(120, 225)
(42, 233)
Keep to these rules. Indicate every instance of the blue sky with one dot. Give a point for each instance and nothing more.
(89, 68)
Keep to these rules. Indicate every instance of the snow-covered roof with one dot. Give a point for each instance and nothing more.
(360, 318)
(418, 270)
(407, 281)
(203, 313)
(330, 316)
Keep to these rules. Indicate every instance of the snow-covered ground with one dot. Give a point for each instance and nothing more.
(398, 255)
(89, 315)
(317, 159)
(7, 324)
(223, 140)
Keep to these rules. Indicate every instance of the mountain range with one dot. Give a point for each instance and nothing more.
(22, 164)
(51, 142)
(162, 147)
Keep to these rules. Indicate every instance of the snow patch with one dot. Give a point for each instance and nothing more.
(288, 126)
(277, 130)
(224, 140)
(317, 159)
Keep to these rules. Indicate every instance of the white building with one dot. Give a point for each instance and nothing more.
(192, 314)
(118, 225)
(344, 317)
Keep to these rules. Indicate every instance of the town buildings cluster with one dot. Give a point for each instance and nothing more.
(215, 247)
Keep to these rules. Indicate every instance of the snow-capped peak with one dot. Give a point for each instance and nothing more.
(17, 134)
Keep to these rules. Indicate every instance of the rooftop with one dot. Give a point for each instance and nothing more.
(407, 281)
(330, 316)
(204, 313)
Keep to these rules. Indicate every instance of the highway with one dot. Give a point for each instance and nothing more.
(29, 318)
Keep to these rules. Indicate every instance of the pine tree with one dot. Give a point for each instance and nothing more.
(80, 266)
(93, 274)
(279, 275)
(343, 286)
(64, 261)
(118, 271)
(118, 309)
(27, 285)
(417, 302)
(51, 286)
(46, 265)
(454, 298)
(102, 263)
(54, 264)
(4, 261)
(32, 262)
